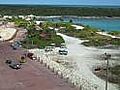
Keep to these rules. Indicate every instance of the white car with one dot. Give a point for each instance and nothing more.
(63, 50)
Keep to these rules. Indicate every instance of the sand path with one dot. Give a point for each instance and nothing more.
(85, 58)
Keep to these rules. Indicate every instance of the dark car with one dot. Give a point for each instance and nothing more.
(63, 52)
(30, 55)
(8, 61)
(16, 44)
(13, 64)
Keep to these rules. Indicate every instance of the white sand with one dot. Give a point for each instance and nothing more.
(78, 27)
(85, 59)
(82, 59)
(7, 33)
(106, 34)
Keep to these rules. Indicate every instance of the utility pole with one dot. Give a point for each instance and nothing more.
(107, 57)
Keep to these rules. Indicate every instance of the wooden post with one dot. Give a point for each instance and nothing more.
(108, 56)
(41, 62)
(45, 64)
(80, 87)
(53, 70)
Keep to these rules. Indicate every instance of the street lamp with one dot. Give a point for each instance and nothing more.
(107, 57)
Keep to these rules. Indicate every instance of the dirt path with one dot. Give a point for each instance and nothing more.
(85, 58)
(32, 75)
(20, 35)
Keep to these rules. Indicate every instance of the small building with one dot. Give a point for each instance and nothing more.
(39, 22)
(30, 17)
(21, 16)
(5, 17)
(1, 16)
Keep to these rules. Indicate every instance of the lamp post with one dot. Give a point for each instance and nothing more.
(107, 57)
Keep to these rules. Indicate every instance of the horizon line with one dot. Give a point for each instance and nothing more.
(57, 4)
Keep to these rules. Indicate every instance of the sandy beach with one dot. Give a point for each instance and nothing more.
(106, 34)
(78, 27)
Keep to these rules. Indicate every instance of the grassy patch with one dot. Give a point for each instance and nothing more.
(93, 38)
(116, 70)
(39, 42)
(115, 33)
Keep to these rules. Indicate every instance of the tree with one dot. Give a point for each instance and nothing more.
(71, 21)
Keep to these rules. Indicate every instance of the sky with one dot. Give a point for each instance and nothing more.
(63, 2)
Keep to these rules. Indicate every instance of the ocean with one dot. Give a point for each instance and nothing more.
(105, 24)
(101, 23)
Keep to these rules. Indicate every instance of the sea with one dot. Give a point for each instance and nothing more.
(101, 23)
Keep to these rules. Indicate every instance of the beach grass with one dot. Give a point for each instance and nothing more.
(94, 39)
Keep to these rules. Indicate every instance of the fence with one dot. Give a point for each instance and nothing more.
(69, 74)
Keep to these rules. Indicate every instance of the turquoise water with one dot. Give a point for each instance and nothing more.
(104, 24)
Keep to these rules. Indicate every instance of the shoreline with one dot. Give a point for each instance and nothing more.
(94, 17)
(75, 16)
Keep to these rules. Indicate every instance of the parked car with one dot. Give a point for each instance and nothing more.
(16, 44)
(23, 59)
(13, 64)
(8, 61)
(13, 46)
(48, 48)
(63, 51)
(30, 55)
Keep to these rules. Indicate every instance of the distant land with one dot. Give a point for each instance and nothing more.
(88, 6)
(52, 10)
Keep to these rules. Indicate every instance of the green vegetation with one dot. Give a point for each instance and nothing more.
(115, 71)
(57, 25)
(40, 42)
(23, 23)
(49, 10)
(93, 38)
(46, 36)
(113, 74)
(38, 38)
(116, 33)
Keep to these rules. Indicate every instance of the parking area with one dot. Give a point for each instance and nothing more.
(31, 76)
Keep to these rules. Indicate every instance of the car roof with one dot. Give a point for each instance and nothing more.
(15, 62)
